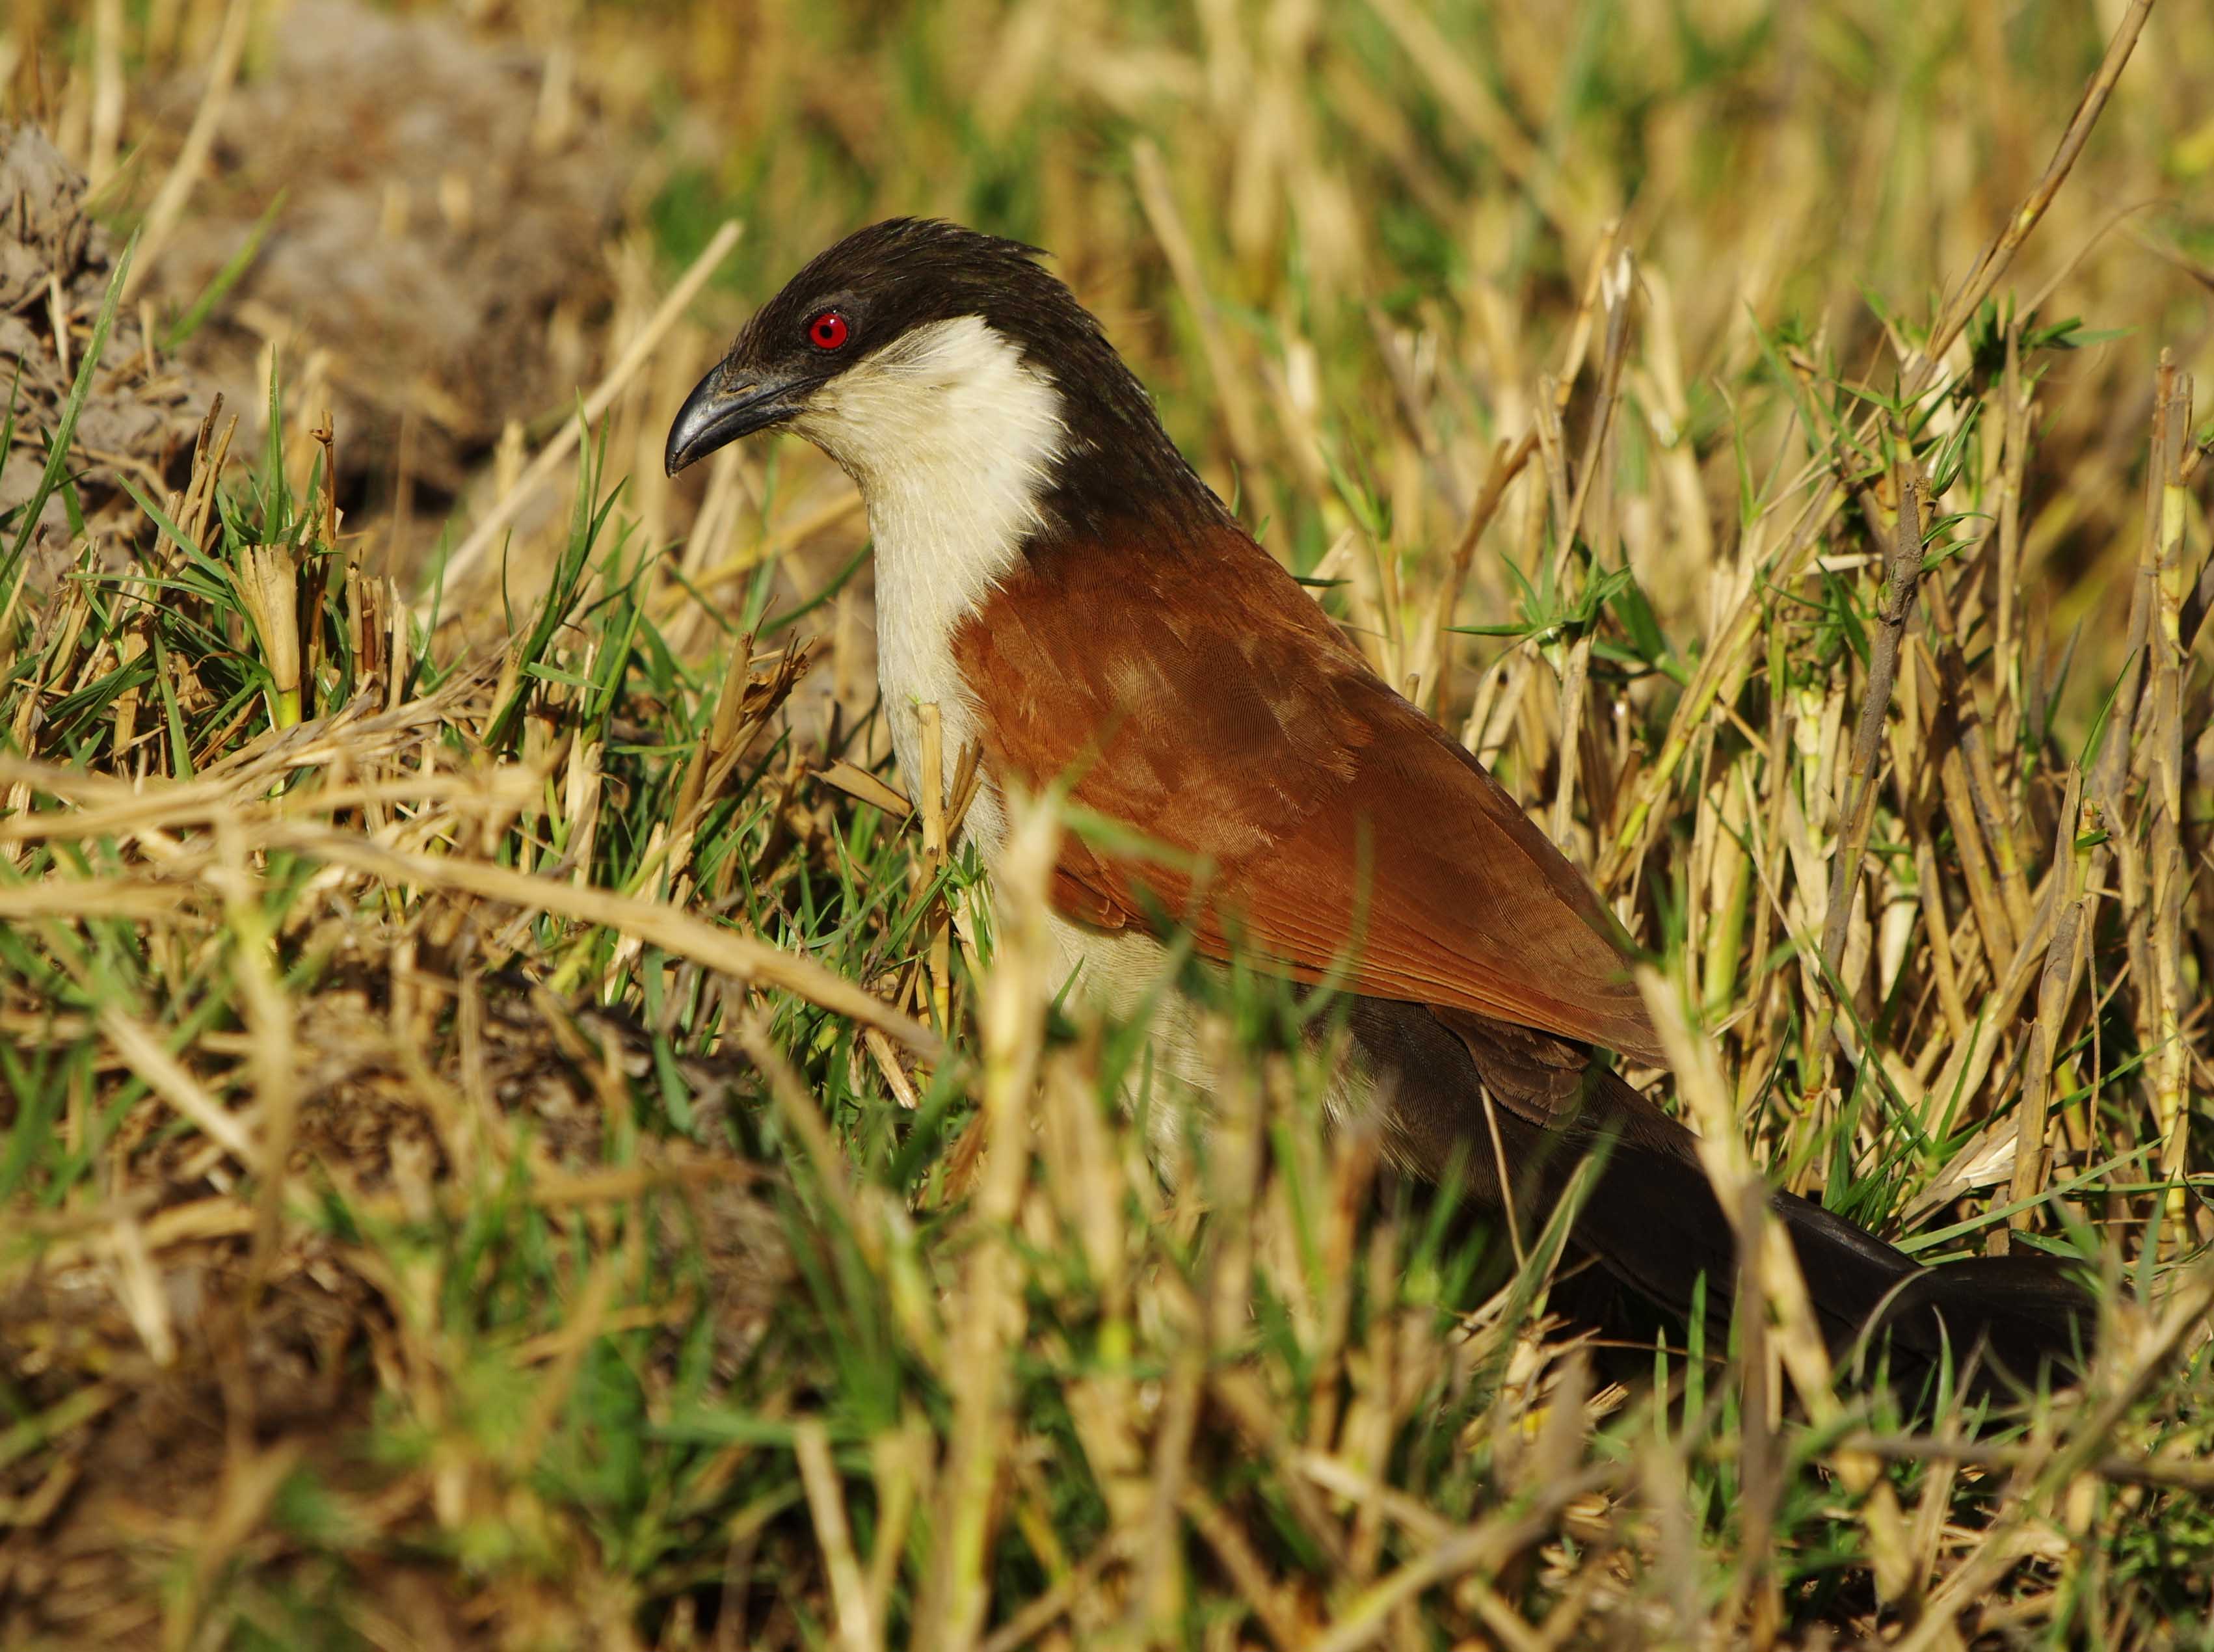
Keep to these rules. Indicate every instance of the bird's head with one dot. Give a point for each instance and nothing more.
(918, 345)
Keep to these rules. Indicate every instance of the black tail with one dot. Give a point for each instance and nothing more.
(1651, 1218)
(2005, 1321)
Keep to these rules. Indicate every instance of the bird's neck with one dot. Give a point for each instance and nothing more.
(971, 456)
(955, 442)
(961, 448)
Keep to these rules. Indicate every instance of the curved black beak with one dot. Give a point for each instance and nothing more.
(720, 410)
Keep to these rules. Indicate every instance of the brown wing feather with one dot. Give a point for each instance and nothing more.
(1198, 695)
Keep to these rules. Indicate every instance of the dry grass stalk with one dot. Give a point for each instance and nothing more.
(1011, 1013)
(462, 567)
(183, 175)
(267, 579)
(1902, 573)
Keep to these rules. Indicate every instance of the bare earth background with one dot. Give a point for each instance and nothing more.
(513, 1132)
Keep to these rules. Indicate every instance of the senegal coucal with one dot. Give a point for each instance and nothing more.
(1055, 579)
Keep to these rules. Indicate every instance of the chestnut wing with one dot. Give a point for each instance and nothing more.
(1287, 799)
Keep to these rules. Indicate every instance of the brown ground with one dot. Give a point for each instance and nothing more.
(56, 263)
(433, 268)
(262, 1376)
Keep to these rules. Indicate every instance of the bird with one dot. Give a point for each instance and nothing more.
(1055, 579)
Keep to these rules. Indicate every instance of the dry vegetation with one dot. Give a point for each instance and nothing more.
(513, 1132)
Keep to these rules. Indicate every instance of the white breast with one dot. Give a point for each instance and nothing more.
(952, 439)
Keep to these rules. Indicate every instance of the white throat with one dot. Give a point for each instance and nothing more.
(952, 439)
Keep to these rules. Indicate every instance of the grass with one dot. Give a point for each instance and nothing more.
(517, 1133)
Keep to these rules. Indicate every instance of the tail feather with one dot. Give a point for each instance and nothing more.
(2022, 1315)
(1653, 1221)
(1651, 1218)
(2005, 1320)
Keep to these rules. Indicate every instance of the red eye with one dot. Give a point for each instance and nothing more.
(828, 331)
